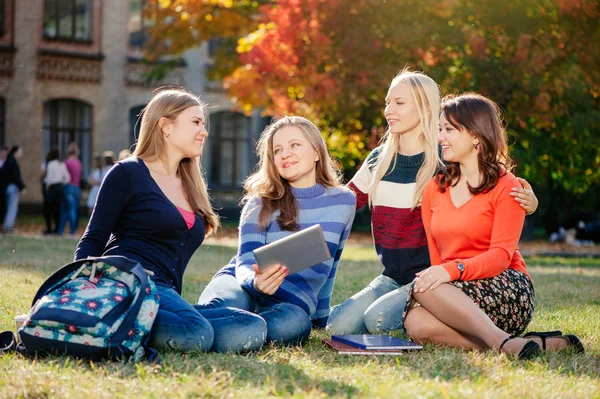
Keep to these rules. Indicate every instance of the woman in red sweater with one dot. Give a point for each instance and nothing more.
(477, 294)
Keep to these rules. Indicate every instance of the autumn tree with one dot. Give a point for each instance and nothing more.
(332, 60)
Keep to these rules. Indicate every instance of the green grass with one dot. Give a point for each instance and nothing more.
(567, 298)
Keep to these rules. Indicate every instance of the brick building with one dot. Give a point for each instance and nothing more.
(73, 70)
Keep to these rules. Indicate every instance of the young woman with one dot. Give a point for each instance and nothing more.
(70, 211)
(11, 185)
(477, 294)
(391, 181)
(154, 208)
(56, 176)
(94, 179)
(296, 186)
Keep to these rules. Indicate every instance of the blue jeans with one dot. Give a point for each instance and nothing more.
(286, 323)
(377, 308)
(70, 209)
(12, 206)
(180, 326)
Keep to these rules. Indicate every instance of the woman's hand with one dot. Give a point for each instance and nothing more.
(525, 196)
(268, 282)
(431, 278)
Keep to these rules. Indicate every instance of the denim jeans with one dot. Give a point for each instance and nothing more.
(12, 206)
(70, 208)
(377, 308)
(286, 323)
(180, 326)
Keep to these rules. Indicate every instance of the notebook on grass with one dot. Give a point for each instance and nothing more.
(297, 251)
(345, 349)
(376, 342)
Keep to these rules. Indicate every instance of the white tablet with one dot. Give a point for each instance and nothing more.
(297, 252)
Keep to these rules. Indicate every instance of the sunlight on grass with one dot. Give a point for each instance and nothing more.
(567, 298)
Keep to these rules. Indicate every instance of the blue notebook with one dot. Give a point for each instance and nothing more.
(374, 342)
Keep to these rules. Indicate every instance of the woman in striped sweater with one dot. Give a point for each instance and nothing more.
(296, 186)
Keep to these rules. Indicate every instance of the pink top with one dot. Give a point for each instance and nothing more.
(188, 216)
(74, 168)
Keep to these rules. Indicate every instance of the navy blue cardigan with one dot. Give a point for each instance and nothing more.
(135, 219)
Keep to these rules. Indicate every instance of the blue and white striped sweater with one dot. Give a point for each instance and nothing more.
(333, 208)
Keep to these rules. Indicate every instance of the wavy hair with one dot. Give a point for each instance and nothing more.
(273, 190)
(480, 117)
(151, 144)
(426, 94)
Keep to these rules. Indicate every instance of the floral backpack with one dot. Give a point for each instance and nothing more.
(96, 308)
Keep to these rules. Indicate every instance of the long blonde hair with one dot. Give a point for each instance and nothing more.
(273, 190)
(426, 94)
(151, 144)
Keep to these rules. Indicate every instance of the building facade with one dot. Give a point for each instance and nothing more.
(73, 70)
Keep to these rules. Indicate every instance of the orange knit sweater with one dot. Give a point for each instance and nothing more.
(482, 234)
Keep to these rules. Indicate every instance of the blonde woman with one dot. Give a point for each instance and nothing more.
(296, 186)
(391, 181)
(153, 207)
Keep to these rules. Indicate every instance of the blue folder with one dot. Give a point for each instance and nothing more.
(374, 342)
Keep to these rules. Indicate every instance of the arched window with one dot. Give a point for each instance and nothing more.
(67, 121)
(227, 157)
(134, 124)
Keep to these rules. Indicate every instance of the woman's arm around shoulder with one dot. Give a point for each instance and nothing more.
(114, 195)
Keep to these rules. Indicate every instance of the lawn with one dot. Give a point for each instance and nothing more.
(567, 298)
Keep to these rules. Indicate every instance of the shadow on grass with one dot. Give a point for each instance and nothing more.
(268, 369)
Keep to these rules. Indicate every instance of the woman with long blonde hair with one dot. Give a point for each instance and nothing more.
(296, 186)
(391, 181)
(153, 207)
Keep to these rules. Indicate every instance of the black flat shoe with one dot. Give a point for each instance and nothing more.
(8, 343)
(572, 340)
(530, 350)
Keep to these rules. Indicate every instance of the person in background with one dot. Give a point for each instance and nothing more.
(11, 185)
(56, 176)
(70, 209)
(109, 162)
(123, 154)
(94, 179)
(3, 155)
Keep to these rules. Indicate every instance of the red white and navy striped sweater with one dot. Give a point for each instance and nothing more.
(398, 232)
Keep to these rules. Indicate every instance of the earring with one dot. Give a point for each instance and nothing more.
(475, 145)
(167, 135)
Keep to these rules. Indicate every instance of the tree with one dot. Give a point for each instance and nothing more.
(332, 60)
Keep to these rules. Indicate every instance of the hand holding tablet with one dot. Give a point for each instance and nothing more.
(297, 251)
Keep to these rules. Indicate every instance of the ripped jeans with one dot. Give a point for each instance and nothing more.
(183, 327)
(376, 309)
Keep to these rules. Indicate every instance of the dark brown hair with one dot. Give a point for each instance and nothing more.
(481, 118)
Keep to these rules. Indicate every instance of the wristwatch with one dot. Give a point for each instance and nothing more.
(460, 267)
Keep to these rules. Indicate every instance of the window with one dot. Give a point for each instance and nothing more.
(134, 124)
(138, 23)
(2, 142)
(67, 121)
(2, 18)
(68, 20)
(227, 157)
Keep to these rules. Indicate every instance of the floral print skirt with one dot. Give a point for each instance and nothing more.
(507, 299)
